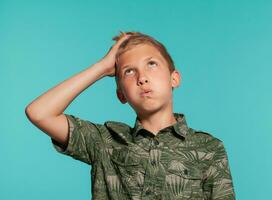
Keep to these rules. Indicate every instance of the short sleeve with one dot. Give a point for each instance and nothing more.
(219, 179)
(83, 136)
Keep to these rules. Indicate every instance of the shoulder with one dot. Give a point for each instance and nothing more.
(84, 125)
(119, 130)
(206, 135)
(206, 139)
(113, 125)
(117, 126)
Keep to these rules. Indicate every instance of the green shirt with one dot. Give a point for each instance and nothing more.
(132, 163)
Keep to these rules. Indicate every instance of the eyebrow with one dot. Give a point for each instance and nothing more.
(126, 66)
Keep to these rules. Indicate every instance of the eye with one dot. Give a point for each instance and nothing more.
(127, 70)
(152, 63)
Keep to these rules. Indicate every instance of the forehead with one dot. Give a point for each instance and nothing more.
(138, 52)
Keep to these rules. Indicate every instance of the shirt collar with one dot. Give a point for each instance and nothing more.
(180, 127)
(120, 129)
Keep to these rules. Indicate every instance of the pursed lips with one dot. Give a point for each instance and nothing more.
(145, 92)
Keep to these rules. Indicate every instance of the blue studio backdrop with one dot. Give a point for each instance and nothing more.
(221, 48)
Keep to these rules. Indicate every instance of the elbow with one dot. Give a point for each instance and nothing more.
(27, 112)
(30, 114)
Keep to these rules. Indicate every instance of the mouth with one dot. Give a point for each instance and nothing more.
(146, 93)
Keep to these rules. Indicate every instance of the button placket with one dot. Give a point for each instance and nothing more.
(148, 191)
(153, 157)
(153, 162)
(150, 177)
(154, 143)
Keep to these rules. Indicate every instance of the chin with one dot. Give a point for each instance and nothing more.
(148, 108)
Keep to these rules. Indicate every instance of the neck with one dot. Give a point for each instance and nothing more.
(156, 121)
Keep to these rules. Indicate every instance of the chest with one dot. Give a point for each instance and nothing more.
(153, 167)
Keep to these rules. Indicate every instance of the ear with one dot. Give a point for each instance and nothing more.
(175, 79)
(120, 96)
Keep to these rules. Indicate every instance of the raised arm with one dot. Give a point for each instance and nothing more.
(46, 111)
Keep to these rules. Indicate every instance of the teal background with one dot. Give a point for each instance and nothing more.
(222, 49)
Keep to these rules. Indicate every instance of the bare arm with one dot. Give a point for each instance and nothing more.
(46, 111)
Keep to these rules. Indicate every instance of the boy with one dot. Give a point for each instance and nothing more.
(160, 157)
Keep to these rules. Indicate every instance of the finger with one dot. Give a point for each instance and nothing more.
(124, 37)
(120, 41)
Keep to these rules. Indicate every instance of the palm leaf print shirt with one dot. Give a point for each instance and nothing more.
(133, 163)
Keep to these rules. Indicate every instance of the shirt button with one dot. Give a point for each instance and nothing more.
(156, 142)
(148, 192)
(157, 196)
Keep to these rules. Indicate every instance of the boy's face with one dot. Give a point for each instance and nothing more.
(143, 69)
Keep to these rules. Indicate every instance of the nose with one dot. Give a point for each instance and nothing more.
(142, 80)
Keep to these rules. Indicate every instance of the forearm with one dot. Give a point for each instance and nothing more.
(57, 99)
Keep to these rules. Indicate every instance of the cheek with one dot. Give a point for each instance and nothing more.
(163, 80)
(127, 88)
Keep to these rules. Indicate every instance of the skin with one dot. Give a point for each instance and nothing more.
(154, 110)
